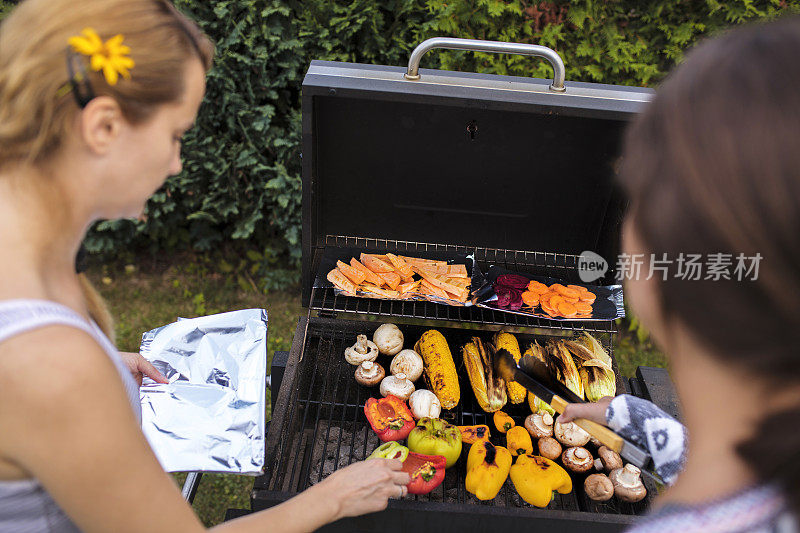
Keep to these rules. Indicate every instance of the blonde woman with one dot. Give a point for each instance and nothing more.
(94, 98)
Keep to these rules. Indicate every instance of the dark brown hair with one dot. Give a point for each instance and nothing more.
(713, 166)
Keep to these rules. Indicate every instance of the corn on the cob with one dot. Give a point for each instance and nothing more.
(595, 347)
(561, 364)
(516, 392)
(534, 402)
(490, 391)
(599, 380)
(440, 369)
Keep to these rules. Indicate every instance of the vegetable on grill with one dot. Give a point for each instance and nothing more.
(503, 422)
(516, 392)
(389, 417)
(390, 450)
(434, 436)
(536, 404)
(426, 472)
(535, 479)
(487, 469)
(489, 389)
(440, 370)
(472, 434)
(561, 365)
(519, 441)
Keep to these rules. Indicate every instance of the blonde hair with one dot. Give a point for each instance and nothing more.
(35, 114)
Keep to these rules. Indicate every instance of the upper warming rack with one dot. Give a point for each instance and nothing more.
(563, 266)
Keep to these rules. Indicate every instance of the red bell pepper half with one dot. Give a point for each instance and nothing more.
(389, 417)
(426, 471)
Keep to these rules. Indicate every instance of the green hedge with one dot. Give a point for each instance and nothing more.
(241, 178)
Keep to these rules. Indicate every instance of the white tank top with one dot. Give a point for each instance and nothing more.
(25, 506)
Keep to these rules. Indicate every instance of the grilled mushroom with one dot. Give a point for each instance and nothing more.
(423, 403)
(398, 385)
(539, 425)
(628, 485)
(369, 373)
(388, 338)
(598, 487)
(407, 362)
(550, 448)
(363, 350)
(611, 459)
(570, 434)
(577, 459)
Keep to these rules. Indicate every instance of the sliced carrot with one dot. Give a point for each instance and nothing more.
(336, 277)
(567, 309)
(392, 279)
(567, 292)
(375, 264)
(443, 283)
(530, 298)
(403, 268)
(588, 297)
(583, 308)
(406, 287)
(377, 290)
(370, 276)
(457, 271)
(573, 301)
(428, 288)
(555, 287)
(354, 275)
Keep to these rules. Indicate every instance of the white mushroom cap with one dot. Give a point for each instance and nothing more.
(369, 373)
(570, 434)
(398, 385)
(539, 424)
(363, 350)
(577, 459)
(628, 484)
(407, 362)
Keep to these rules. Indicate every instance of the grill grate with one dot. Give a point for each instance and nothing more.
(325, 427)
(562, 266)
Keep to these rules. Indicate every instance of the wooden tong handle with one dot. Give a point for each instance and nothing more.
(600, 432)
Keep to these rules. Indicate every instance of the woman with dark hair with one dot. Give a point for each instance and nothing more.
(713, 167)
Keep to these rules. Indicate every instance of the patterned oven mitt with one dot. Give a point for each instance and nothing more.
(647, 426)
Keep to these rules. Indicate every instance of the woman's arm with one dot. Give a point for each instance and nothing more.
(65, 419)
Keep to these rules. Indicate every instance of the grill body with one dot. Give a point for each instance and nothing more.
(497, 166)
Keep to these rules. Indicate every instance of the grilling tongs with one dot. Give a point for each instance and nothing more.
(535, 377)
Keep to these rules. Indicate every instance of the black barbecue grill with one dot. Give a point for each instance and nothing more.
(512, 170)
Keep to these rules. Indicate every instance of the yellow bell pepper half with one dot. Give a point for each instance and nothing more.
(535, 479)
(487, 469)
(519, 441)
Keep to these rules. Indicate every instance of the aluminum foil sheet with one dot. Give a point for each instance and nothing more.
(211, 415)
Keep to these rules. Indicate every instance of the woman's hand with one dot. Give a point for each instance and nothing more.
(140, 367)
(596, 411)
(365, 487)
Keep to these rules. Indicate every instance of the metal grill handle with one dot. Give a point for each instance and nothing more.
(453, 43)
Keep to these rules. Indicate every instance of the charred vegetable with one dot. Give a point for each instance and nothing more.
(489, 389)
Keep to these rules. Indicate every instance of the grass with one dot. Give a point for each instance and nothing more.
(152, 293)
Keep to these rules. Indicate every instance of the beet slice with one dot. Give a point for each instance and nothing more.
(504, 296)
(516, 301)
(513, 281)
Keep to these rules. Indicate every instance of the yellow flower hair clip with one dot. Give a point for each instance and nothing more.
(111, 57)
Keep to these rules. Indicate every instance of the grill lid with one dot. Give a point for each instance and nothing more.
(462, 159)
